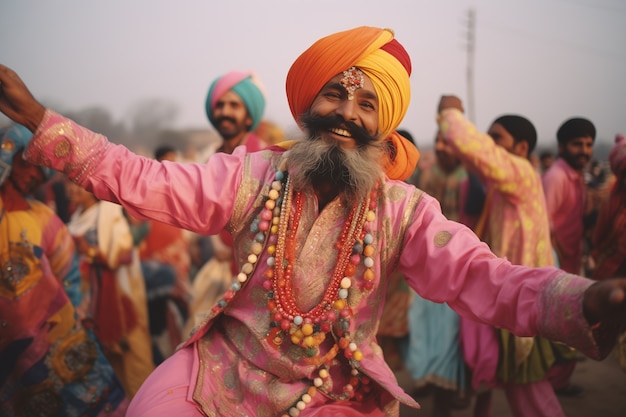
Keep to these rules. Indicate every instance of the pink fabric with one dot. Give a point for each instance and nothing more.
(226, 83)
(254, 143)
(442, 261)
(340, 410)
(481, 349)
(516, 225)
(559, 375)
(530, 400)
(557, 320)
(166, 393)
(565, 198)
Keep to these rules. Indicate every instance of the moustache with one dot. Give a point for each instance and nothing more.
(316, 125)
(225, 118)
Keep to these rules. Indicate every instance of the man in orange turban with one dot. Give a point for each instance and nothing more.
(318, 229)
(376, 55)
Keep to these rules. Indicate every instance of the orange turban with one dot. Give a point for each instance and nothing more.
(375, 52)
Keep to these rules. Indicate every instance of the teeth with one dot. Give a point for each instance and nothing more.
(341, 132)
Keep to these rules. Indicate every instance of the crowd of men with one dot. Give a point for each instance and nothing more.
(295, 245)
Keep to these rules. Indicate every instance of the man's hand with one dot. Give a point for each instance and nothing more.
(16, 102)
(450, 102)
(606, 301)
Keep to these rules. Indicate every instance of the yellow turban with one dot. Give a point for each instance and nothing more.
(383, 60)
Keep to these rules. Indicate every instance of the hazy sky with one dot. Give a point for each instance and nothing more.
(546, 59)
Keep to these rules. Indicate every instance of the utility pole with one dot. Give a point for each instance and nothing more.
(471, 30)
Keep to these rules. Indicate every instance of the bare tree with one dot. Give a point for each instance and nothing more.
(152, 115)
(100, 120)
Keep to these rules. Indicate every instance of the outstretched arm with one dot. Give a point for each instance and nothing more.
(16, 101)
(198, 197)
(444, 262)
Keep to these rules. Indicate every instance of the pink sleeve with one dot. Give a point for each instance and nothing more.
(196, 197)
(560, 306)
(444, 261)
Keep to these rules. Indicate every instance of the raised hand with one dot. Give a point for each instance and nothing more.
(450, 102)
(16, 101)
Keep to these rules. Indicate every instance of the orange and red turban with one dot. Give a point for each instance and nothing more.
(375, 52)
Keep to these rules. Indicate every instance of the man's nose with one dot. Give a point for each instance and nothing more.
(225, 110)
(348, 110)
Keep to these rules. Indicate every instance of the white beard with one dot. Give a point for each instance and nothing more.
(354, 172)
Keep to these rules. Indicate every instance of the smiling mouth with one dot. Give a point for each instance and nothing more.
(340, 132)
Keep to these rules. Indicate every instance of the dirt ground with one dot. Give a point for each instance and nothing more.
(604, 393)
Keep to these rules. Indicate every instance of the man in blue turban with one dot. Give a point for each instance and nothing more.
(234, 105)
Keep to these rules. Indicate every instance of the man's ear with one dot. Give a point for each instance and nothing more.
(521, 149)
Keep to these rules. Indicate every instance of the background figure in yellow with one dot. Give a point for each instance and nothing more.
(514, 223)
(116, 301)
(48, 359)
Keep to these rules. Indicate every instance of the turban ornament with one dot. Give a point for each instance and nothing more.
(247, 86)
(352, 80)
(386, 63)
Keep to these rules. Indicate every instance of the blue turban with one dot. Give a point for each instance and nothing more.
(246, 86)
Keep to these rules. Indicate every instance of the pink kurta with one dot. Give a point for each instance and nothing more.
(514, 224)
(239, 372)
(565, 197)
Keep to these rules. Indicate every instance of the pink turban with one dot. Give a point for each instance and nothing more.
(247, 86)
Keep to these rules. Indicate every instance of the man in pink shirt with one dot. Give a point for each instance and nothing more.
(319, 228)
(564, 187)
(515, 225)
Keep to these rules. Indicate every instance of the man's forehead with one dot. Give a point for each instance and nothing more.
(353, 83)
(497, 129)
(581, 139)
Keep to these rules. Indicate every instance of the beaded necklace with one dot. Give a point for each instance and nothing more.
(275, 229)
(332, 315)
